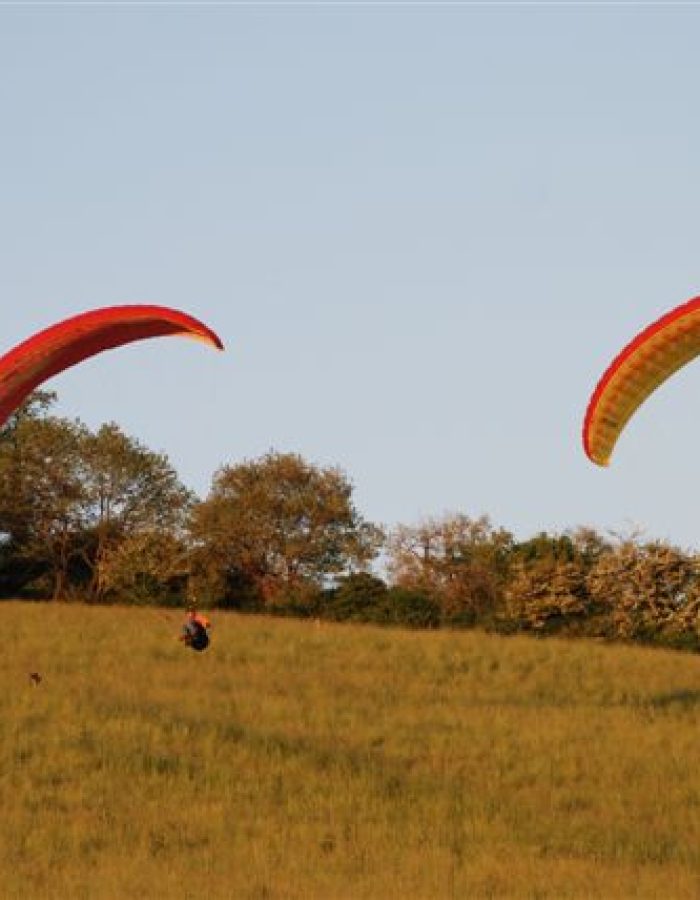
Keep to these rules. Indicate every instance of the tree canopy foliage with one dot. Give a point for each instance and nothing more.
(279, 522)
(69, 497)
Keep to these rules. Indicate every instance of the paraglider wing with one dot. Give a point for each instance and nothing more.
(642, 366)
(73, 340)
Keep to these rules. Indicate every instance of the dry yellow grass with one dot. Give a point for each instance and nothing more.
(292, 761)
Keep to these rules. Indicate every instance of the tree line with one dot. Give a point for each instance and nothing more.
(96, 516)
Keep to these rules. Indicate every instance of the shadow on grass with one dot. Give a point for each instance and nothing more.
(683, 699)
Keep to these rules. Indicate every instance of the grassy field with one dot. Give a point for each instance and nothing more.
(295, 761)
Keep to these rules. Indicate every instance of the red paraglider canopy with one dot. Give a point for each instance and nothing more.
(73, 340)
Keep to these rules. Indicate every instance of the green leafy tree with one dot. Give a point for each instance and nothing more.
(129, 491)
(70, 497)
(15, 467)
(147, 567)
(41, 495)
(273, 523)
(356, 597)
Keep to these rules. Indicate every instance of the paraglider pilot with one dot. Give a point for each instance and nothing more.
(195, 631)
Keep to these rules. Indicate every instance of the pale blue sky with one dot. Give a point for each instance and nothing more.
(422, 233)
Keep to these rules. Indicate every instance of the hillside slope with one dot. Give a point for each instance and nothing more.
(301, 761)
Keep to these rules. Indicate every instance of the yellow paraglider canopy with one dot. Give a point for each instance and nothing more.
(642, 366)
